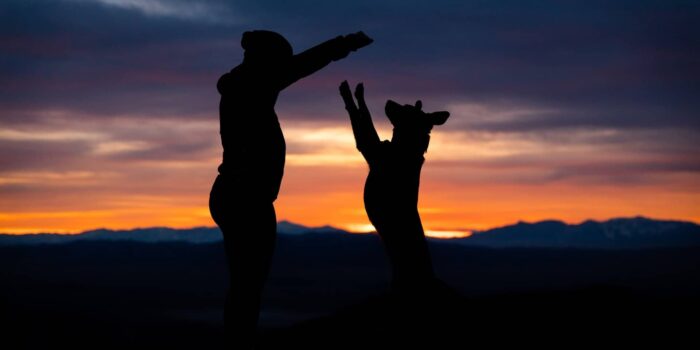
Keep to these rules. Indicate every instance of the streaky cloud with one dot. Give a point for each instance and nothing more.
(185, 10)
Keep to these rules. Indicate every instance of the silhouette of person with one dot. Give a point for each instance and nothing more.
(250, 174)
(391, 188)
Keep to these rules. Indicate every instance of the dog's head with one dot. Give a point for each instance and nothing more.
(412, 117)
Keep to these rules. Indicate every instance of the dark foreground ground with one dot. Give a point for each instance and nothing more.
(330, 291)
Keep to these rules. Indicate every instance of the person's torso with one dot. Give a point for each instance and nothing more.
(251, 136)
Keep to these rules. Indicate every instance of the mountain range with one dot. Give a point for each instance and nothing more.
(619, 233)
(152, 235)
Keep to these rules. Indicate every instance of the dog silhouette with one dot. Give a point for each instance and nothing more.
(391, 188)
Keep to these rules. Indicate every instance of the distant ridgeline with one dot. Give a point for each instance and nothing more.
(623, 233)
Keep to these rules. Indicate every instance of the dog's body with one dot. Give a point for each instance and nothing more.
(391, 189)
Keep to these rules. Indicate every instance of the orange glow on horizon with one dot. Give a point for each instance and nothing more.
(447, 212)
(466, 185)
(447, 234)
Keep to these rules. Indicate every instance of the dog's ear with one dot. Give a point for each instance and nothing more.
(419, 105)
(438, 118)
(393, 112)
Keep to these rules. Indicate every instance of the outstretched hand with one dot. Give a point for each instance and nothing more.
(358, 40)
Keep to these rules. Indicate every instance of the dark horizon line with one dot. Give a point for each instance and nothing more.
(334, 228)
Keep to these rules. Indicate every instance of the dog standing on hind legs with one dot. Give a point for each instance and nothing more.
(391, 188)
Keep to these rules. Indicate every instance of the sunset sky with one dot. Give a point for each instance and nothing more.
(567, 110)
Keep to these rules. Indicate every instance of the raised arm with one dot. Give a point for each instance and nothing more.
(319, 56)
(366, 137)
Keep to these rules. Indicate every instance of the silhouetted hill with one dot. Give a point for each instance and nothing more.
(290, 228)
(587, 317)
(330, 291)
(151, 235)
(621, 233)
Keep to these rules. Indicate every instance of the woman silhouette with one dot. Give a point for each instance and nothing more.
(242, 196)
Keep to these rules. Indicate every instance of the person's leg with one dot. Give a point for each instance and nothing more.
(249, 248)
(249, 230)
